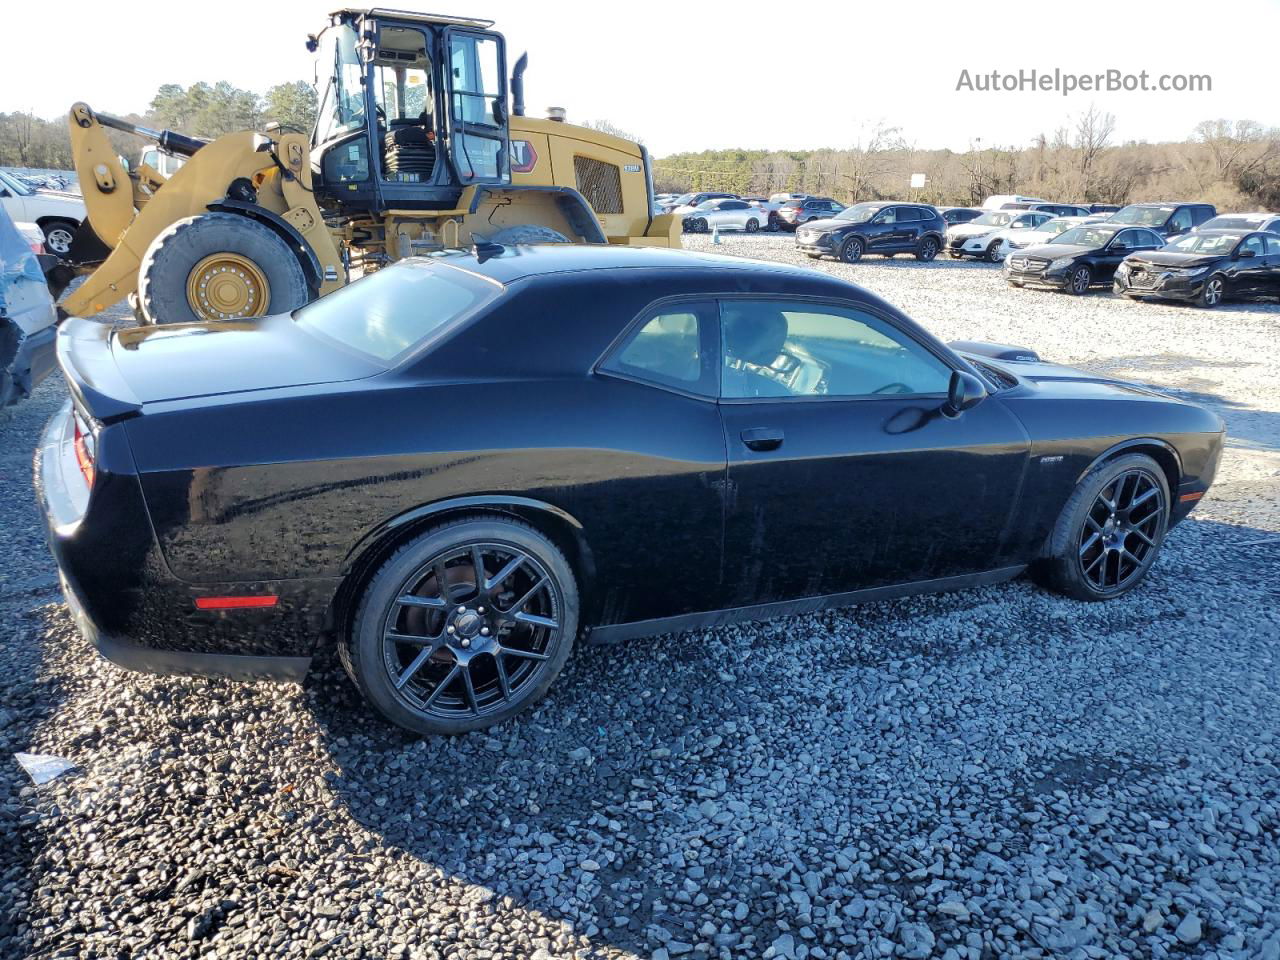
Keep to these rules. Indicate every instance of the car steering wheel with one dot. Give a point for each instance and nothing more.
(896, 387)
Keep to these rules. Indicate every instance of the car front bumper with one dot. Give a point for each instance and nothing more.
(823, 244)
(1160, 286)
(1041, 279)
(129, 605)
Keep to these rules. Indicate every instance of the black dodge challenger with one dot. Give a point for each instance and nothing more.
(457, 466)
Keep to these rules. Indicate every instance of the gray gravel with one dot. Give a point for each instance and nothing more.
(988, 774)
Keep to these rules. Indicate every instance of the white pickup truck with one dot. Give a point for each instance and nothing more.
(58, 214)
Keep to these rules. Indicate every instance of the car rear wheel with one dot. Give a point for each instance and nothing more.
(58, 235)
(851, 250)
(1079, 280)
(1212, 293)
(1110, 531)
(993, 253)
(927, 250)
(463, 627)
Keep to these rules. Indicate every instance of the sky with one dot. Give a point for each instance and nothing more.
(705, 74)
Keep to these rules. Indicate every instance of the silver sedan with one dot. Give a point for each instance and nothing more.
(725, 214)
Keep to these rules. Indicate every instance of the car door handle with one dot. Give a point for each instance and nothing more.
(762, 438)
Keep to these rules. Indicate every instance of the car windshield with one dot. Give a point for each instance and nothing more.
(1234, 223)
(860, 212)
(708, 205)
(15, 185)
(996, 218)
(684, 198)
(1143, 216)
(389, 313)
(1216, 244)
(1086, 236)
(1055, 226)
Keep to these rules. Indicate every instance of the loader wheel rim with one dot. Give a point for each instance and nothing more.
(227, 286)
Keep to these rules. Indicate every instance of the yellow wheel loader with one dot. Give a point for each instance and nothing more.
(415, 150)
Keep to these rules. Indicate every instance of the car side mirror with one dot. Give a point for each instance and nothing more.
(1247, 253)
(965, 392)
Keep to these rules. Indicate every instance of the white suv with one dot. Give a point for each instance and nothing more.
(58, 214)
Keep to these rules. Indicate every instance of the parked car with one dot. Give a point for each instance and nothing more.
(59, 215)
(28, 319)
(883, 228)
(791, 215)
(981, 238)
(1079, 258)
(725, 214)
(770, 210)
(1057, 209)
(1207, 267)
(1269, 222)
(687, 202)
(1167, 219)
(234, 498)
(1012, 240)
(998, 200)
(954, 215)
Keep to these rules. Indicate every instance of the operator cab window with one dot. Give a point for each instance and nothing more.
(405, 105)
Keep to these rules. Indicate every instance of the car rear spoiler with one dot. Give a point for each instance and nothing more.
(996, 351)
(84, 354)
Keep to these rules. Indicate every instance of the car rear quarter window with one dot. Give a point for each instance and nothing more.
(398, 310)
(778, 349)
(669, 348)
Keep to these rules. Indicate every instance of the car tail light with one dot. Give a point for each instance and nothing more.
(245, 602)
(85, 448)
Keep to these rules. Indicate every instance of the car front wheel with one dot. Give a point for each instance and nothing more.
(851, 251)
(463, 627)
(1212, 293)
(1079, 280)
(58, 235)
(753, 225)
(993, 253)
(1110, 531)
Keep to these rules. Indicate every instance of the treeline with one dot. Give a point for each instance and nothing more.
(1234, 165)
(200, 110)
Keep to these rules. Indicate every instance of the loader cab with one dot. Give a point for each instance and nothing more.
(413, 109)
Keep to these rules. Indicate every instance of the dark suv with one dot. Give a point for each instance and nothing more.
(881, 227)
(791, 215)
(1167, 219)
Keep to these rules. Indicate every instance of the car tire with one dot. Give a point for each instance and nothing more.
(527, 233)
(463, 625)
(814, 256)
(927, 250)
(753, 225)
(1079, 280)
(1084, 552)
(1212, 293)
(851, 250)
(271, 279)
(58, 235)
(993, 253)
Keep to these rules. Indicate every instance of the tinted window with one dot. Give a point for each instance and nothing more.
(908, 215)
(1201, 214)
(397, 309)
(1254, 243)
(733, 205)
(1273, 246)
(1181, 220)
(667, 349)
(784, 349)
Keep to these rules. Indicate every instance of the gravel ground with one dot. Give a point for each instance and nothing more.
(988, 774)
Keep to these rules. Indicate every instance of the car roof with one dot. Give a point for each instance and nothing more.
(518, 262)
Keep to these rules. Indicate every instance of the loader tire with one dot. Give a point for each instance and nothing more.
(218, 266)
(528, 233)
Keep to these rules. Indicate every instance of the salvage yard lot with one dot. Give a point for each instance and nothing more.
(993, 773)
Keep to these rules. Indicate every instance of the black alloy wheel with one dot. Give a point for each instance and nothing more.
(1111, 529)
(1079, 280)
(753, 225)
(1121, 530)
(928, 249)
(851, 250)
(465, 627)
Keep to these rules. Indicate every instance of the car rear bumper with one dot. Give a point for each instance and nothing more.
(35, 358)
(125, 600)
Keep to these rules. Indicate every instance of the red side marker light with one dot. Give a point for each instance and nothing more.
(1189, 497)
(236, 603)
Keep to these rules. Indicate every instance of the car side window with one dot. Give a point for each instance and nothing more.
(1255, 244)
(1181, 220)
(1273, 246)
(887, 215)
(778, 348)
(908, 214)
(669, 348)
